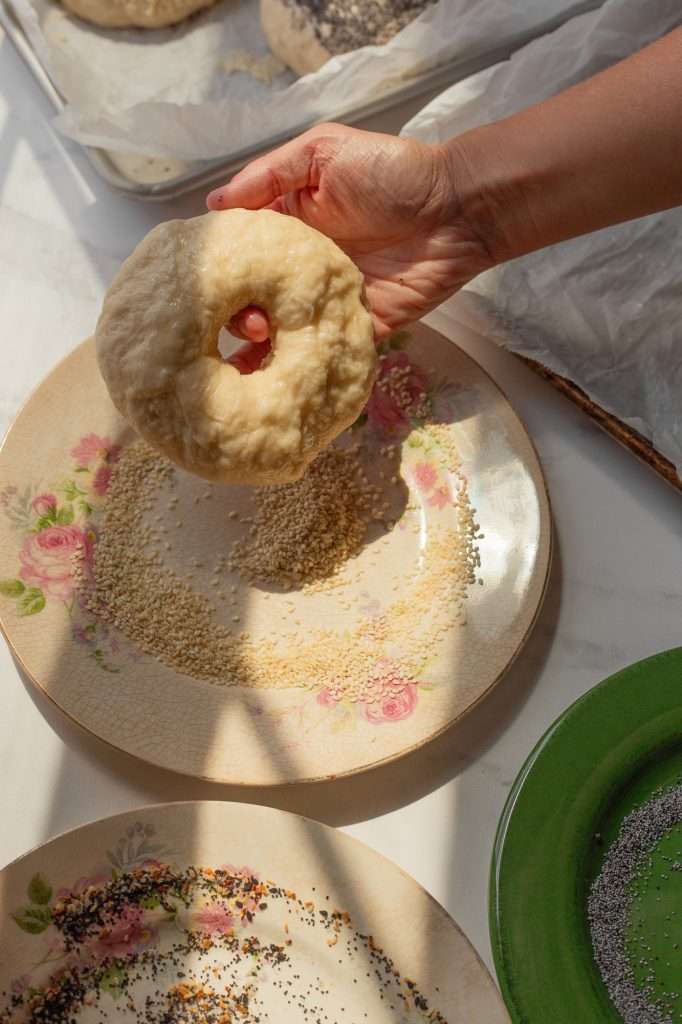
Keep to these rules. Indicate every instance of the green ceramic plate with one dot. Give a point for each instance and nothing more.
(604, 756)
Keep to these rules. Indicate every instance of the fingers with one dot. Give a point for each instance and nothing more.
(251, 324)
(250, 357)
(264, 180)
(294, 166)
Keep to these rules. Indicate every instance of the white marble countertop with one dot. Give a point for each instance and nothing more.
(615, 594)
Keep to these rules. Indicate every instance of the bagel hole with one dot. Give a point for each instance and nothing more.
(245, 356)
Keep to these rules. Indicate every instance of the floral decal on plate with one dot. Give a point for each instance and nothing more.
(396, 698)
(400, 396)
(58, 534)
(184, 943)
(405, 396)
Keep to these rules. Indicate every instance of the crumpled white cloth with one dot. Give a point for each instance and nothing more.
(167, 92)
(604, 310)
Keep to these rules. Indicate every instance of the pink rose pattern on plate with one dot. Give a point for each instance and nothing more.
(94, 449)
(129, 933)
(44, 504)
(215, 920)
(397, 695)
(131, 926)
(101, 481)
(326, 698)
(393, 708)
(58, 528)
(58, 534)
(425, 476)
(399, 399)
(396, 700)
(47, 558)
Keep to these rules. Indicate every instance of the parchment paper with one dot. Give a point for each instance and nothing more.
(167, 92)
(604, 310)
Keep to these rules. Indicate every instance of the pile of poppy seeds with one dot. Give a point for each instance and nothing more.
(615, 916)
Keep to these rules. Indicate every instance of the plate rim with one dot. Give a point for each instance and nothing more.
(546, 518)
(168, 805)
(517, 1012)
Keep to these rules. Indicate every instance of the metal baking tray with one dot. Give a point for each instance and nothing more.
(159, 179)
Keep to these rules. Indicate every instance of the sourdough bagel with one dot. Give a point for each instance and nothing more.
(305, 34)
(157, 344)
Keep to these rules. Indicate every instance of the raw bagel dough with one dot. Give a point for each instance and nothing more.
(157, 344)
(305, 34)
(135, 13)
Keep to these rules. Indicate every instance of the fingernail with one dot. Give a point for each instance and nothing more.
(215, 198)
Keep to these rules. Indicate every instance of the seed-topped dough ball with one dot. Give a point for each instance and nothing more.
(135, 13)
(157, 344)
(305, 34)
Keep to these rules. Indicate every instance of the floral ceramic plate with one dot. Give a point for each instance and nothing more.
(215, 913)
(183, 663)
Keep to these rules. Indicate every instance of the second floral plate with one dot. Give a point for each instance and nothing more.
(214, 913)
(271, 637)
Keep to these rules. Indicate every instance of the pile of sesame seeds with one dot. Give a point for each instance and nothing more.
(130, 587)
(305, 532)
(613, 912)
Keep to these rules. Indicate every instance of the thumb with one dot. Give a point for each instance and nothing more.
(287, 169)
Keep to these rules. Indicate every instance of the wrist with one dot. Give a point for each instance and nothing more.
(492, 189)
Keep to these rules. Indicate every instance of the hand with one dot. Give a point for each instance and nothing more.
(391, 204)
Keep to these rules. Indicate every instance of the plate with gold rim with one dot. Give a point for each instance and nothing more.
(165, 616)
(213, 912)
